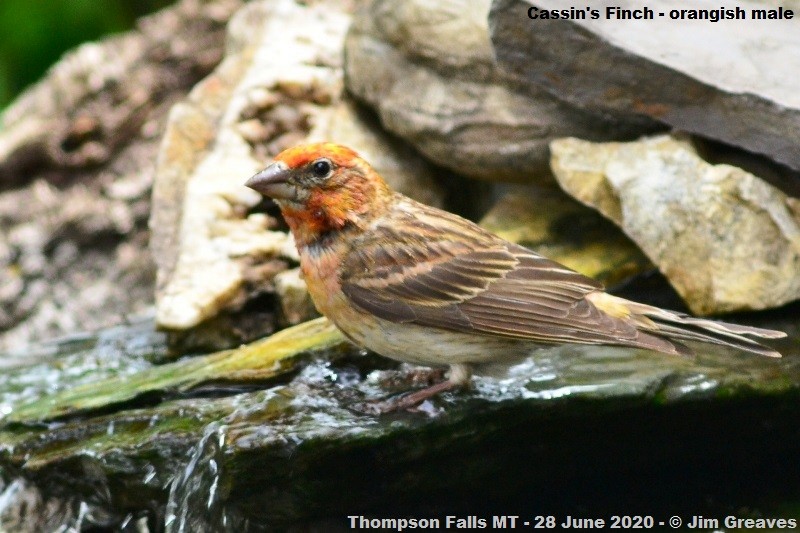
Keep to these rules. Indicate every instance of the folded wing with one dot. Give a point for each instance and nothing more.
(439, 270)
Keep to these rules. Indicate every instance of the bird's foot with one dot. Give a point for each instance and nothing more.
(408, 378)
(459, 377)
(406, 402)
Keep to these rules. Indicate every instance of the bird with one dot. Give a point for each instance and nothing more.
(425, 286)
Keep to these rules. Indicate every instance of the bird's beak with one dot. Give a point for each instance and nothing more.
(273, 182)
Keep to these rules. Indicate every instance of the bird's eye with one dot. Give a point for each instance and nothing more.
(321, 168)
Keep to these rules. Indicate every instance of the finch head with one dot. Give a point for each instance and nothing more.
(322, 187)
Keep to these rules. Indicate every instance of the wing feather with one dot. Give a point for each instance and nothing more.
(427, 267)
(471, 282)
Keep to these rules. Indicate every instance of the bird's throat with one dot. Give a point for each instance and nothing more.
(323, 214)
(307, 226)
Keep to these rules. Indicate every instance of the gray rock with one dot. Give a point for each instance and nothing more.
(428, 70)
(726, 240)
(732, 80)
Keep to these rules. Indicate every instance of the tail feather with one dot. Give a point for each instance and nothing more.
(672, 327)
(661, 344)
(678, 326)
(734, 341)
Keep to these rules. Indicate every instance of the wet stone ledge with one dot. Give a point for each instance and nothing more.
(270, 435)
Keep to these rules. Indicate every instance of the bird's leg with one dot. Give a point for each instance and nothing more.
(458, 377)
(405, 379)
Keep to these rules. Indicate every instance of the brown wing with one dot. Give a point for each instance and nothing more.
(472, 281)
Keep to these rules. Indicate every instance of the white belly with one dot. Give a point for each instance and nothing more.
(431, 346)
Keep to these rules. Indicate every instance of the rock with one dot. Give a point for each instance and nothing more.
(708, 78)
(726, 240)
(233, 458)
(25, 509)
(428, 70)
(77, 154)
(296, 303)
(276, 87)
(556, 226)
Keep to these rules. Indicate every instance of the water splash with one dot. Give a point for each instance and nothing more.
(194, 503)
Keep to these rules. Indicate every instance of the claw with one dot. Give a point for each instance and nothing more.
(459, 377)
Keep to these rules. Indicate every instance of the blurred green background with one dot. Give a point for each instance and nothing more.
(34, 34)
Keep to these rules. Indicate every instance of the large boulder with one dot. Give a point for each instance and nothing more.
(575, 429)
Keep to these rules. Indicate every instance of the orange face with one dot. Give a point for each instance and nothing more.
(320, 187)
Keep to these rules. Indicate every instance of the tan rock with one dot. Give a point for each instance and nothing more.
(725, 239)
(296, 303)
(281, 64)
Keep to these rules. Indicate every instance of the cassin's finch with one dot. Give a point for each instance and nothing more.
(422, 285)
